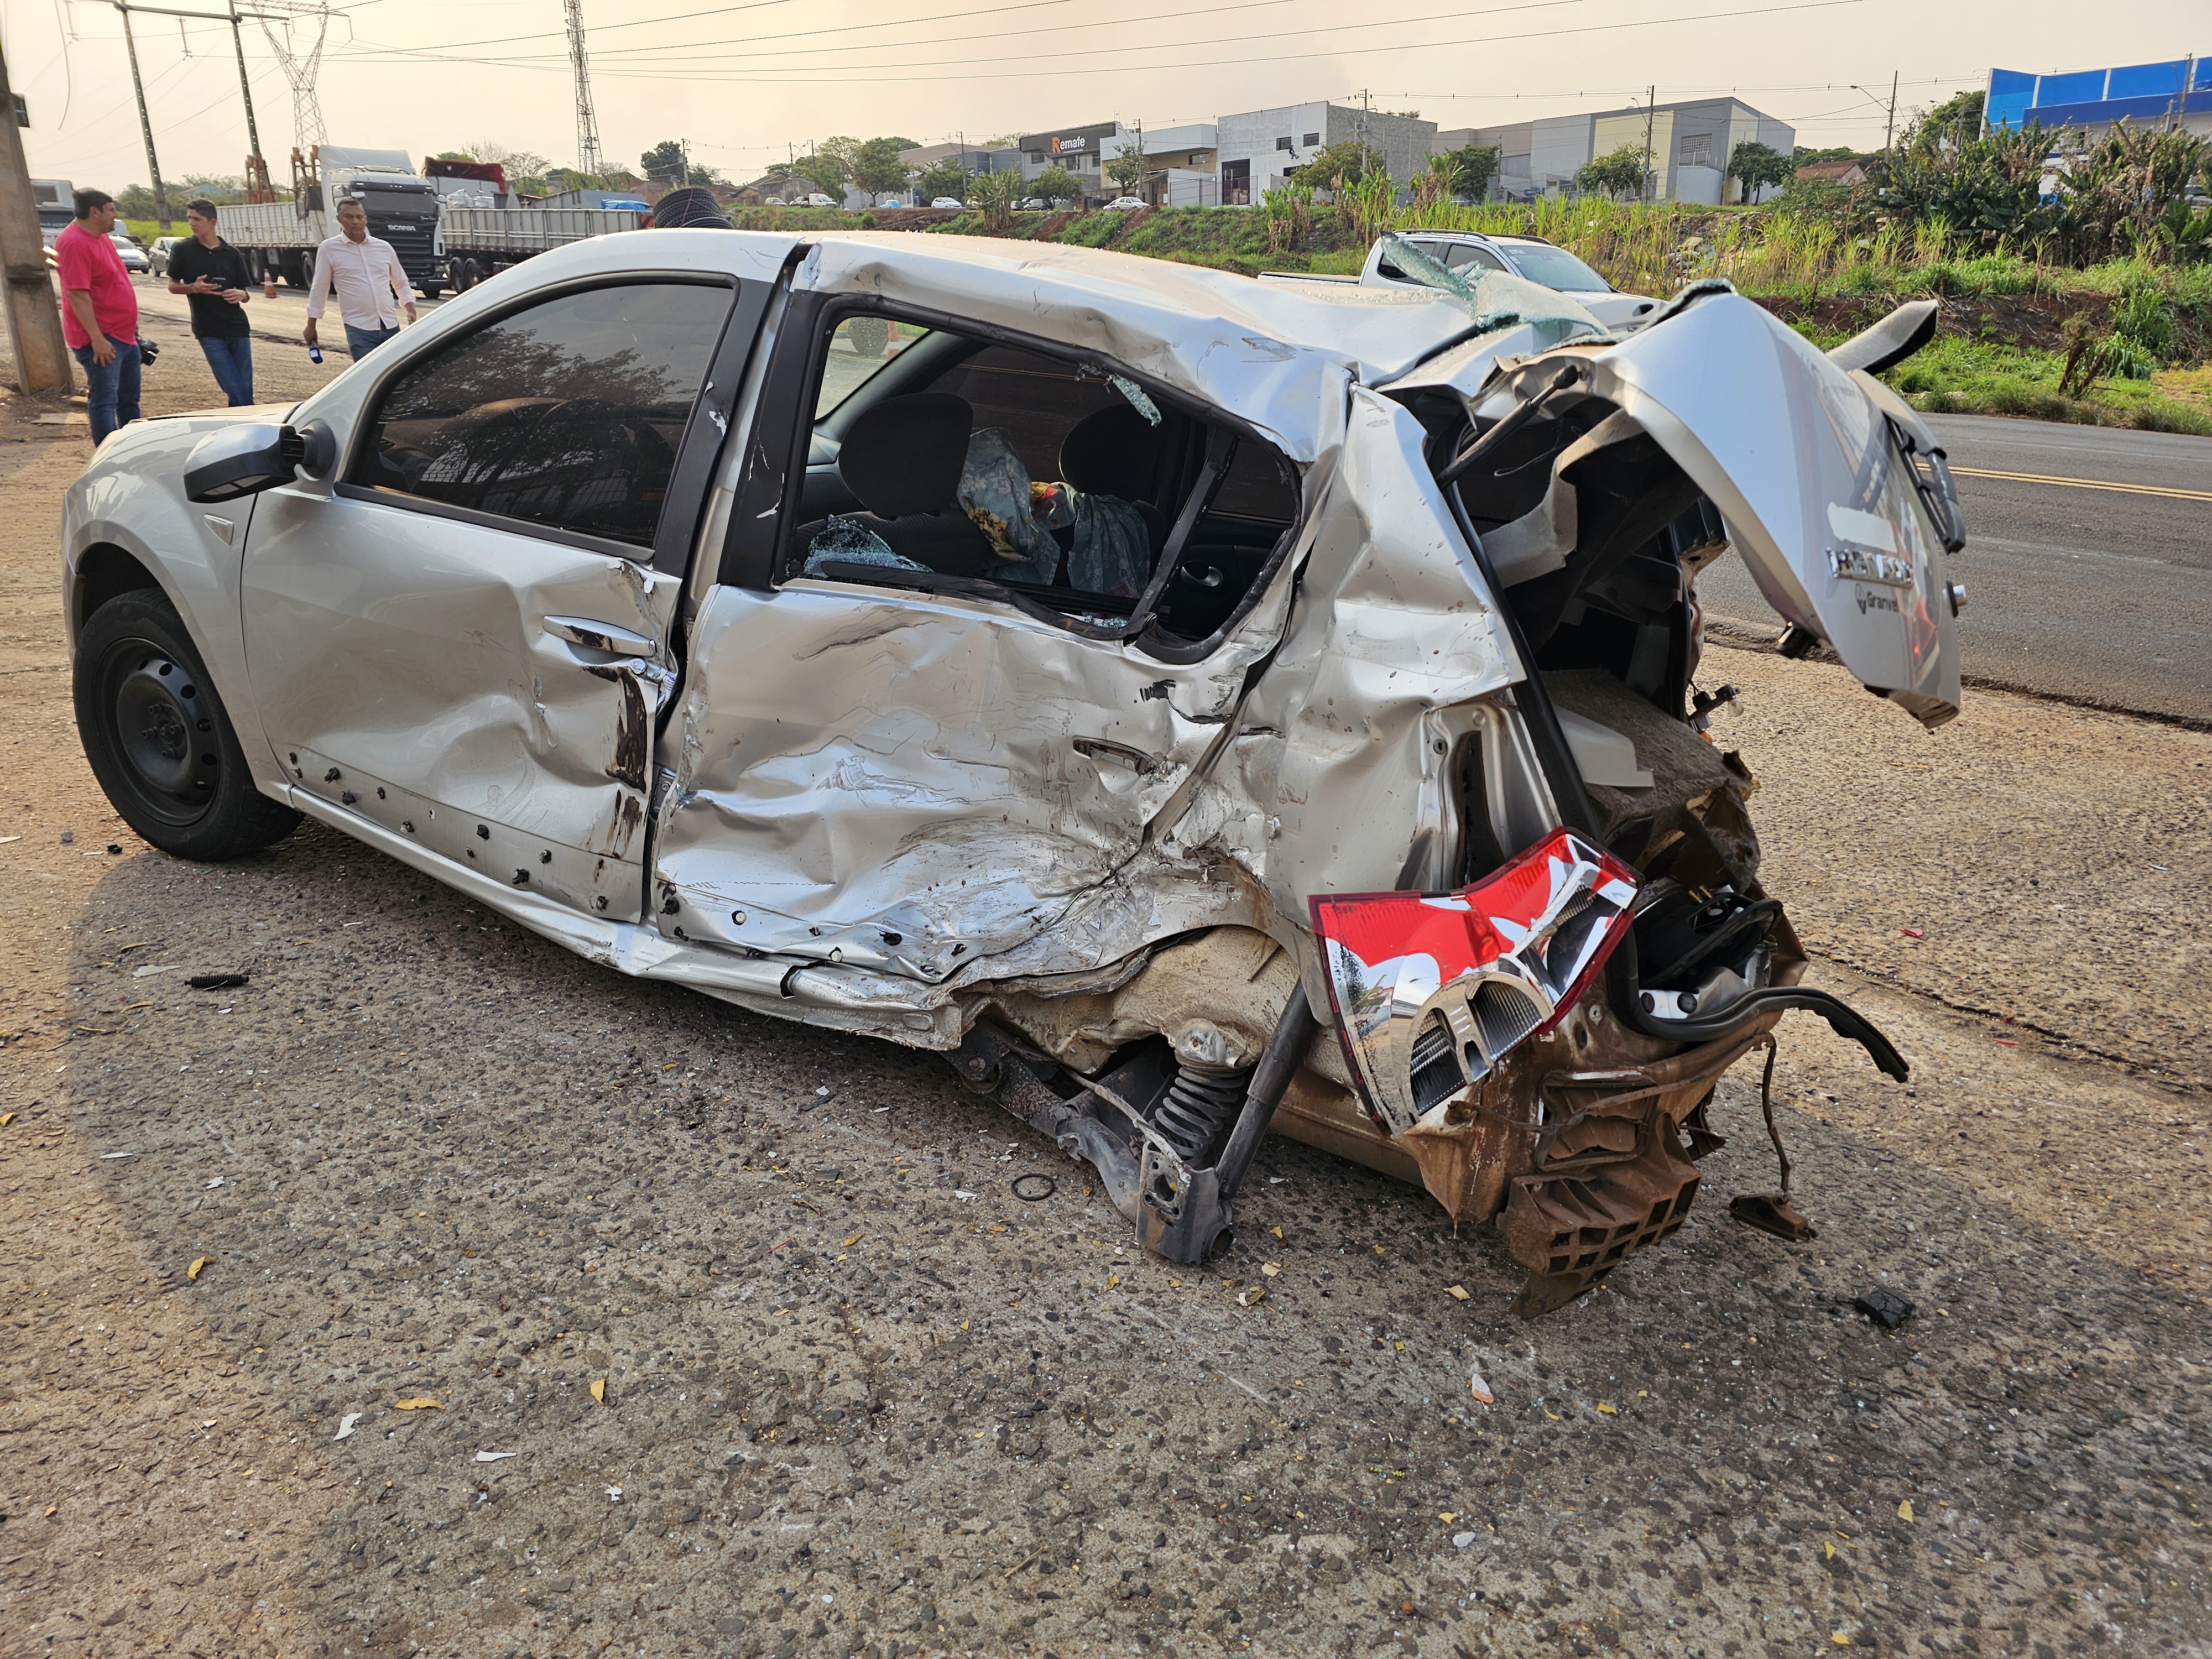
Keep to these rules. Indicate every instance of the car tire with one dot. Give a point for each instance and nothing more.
(159, 739)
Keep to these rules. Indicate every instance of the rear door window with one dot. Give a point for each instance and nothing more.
(567, 415)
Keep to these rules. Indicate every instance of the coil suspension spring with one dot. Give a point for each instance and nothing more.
(1199, 1107)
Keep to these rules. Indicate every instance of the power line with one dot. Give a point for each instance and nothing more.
(844, 45)
(830, 74)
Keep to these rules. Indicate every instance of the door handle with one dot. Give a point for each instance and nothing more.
(600, 636)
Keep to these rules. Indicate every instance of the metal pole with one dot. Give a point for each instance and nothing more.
(145, 121)
(245, 87)
(1650, 116)
(1889, 133)
(34, 320)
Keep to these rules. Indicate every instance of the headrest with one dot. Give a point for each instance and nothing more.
(1113, 451)
(689, 209)
(905, 454)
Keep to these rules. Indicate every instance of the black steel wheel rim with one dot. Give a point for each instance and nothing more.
(162, 727)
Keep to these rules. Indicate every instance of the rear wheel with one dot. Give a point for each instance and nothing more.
(159, 739)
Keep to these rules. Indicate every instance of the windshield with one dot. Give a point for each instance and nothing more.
(1554, 267)
(397, 201)
(860, 348)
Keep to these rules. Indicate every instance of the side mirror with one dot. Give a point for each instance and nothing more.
(245, 460)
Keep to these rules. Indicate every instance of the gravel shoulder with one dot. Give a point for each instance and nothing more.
(845, 1407)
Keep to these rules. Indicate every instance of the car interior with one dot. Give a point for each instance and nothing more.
(939, 458)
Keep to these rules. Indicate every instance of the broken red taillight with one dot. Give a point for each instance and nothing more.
(1432, 990)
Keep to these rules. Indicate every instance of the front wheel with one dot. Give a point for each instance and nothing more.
(159, 739)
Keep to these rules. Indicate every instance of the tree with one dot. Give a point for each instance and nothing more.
(1957, 120)
(1334, 166)
(1473, 168)
(942, 177)
(877, 168)
(829, 164)
(995, 193)
(1617, 174)
(1755, 165)
(664, 163)
(1057, 184)
(1127, 170)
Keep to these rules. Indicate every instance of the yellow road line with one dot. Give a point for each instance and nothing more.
(2087, 483)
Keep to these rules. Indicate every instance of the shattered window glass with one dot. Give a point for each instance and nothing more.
(566, 415)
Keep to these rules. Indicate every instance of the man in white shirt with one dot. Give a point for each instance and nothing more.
(367, 276)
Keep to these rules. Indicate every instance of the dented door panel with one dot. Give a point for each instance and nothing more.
(914, 785)
(428, 674)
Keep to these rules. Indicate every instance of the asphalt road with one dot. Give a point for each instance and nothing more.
(2101, 596)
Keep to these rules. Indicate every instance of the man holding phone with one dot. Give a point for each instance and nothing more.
(215, 279)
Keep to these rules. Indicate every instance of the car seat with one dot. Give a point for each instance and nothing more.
(903, 459)
(1117, 451)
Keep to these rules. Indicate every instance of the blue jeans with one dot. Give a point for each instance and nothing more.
(111, 393)
(362, 341)
(232, 359)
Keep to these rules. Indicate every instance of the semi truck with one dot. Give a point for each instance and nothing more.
(282, 237)
(57, 203)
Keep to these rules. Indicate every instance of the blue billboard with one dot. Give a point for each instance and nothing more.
(2142, 93)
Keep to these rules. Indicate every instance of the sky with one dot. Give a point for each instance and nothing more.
(744, 84)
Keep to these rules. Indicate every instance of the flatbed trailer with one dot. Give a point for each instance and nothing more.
(475, 242)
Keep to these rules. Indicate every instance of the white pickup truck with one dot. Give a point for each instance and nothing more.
(1530, 257)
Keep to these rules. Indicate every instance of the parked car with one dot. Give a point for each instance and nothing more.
(817, 199)
(948, 202)
(1125, 204)
(157, 257)
(1167, 748)
(1032, 204)
(1530, 257)
(133, 256)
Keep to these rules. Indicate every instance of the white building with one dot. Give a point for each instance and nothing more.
(1255, 150)
(1689, 142)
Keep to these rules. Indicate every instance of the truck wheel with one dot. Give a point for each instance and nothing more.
(159, 739)
(471, 274)
(306, 262)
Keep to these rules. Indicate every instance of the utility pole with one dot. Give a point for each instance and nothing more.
(34, 318)
(1889, 133)
(145, 121)
(1650, 117)
(245, 86)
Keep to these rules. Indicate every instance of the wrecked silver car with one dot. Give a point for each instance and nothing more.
(1192, 707)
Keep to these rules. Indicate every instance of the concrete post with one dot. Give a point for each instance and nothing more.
(34, 316)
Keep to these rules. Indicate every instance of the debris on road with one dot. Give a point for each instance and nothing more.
(198, 1262)
(345, 1425)
(216, 982)
(599, 1389)
(495, 1457)
(1251, 1296)
(1904, 1510)
(1456, 1292)
(1462, 1540)
(420, 1403)
(1480, 1389)
(1885, 1307)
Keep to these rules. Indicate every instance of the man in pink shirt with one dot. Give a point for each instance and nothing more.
(100, 313)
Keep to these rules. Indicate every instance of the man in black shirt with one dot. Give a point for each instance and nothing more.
(213, 277)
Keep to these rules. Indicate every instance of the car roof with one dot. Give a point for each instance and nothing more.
(1277, 357)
